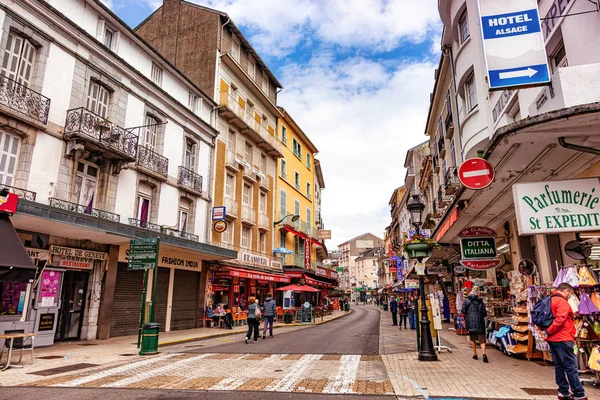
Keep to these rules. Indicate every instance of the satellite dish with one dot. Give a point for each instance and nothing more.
(578, 250)
(526, 267)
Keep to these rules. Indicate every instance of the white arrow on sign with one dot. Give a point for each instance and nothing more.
(529, 72)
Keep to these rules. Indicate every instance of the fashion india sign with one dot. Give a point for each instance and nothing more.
(560, 206)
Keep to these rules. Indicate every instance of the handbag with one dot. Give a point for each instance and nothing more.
(257, 312)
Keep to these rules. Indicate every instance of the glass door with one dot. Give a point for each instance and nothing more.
(72, 305)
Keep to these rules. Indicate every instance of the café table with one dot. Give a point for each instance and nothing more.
(12, 337)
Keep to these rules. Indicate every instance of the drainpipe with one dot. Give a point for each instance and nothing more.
(447, 51)
(576, 147)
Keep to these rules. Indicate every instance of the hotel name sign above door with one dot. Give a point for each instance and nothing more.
(559, 206)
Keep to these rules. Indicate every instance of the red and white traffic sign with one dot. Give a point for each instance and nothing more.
(476, 173)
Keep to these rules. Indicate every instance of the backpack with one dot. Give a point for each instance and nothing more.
(541, 315)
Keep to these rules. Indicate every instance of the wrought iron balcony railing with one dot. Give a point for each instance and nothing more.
(152, 161)
(22, 193)
(190, 180)
(145, 225)
(92, 127)
(180, 234)
(20, 98)
(83, 209)
(451, 181)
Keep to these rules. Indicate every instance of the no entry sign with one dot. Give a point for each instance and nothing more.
(476, 173)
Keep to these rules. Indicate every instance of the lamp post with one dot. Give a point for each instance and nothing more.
(427, 351)
(295, 217)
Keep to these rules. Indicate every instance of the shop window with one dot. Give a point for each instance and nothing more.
(471, 93)
(98, 99)
(9, 154)
(19, 59)
(156, 74)
(10, 295)
(86, 181)
(189, 159)
(149, 134)
(230, 186)
(463, 27)
(247, 195)
(246, 237)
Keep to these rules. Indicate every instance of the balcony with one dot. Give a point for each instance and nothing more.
(231, 207)
(443, 200)
(436, 210)
(449, 123)
(230, 160)
(436, 163)
(248, 214)
(451, 182)
(265, 183)
(152, 162)
(293, 260)
(441, 147)
(145, 225)
(235, 114)
(23, 100)
(82, 209)
(264, 223)
(22, 193)
(248, 173)
(101, 135)
(190, 181)
(180, 234)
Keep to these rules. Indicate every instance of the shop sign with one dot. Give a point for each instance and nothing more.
(480, 265)
(405, 266)
(143, 254)
(178, 262)
(307, 254)
(8, 203)
(459, 269)
(324, 234)
(254, 259)
(218, 213)
(478, 248)
(411, 284)
(236, 288)
(440, 270)
(46, 322)
(294, 274)
(326, 272)
(221, 275)
(68, 251)
(426, 233)
(552, 18)
(75, 262)
(220, 226)
(276, 265)
(258, 276)
(37, 254)
(558, 206)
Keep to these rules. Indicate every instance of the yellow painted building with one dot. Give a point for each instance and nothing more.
(295, 196)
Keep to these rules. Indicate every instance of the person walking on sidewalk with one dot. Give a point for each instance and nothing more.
(402, 311)
(412, 312)
(394, 311)
(474, 311)
(270, 310)
(560, 335)
(253, 321)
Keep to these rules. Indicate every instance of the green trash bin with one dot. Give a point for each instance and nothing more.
(348, 307)
(385, 307)
(150, 338)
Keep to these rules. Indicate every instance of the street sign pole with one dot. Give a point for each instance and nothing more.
(154, 284)
(143, 310)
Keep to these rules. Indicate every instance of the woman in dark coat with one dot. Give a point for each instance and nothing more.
(474, 311)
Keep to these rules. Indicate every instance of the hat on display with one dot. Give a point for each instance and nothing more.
(571, 277)
(585, 277)
(586, 306)
(560, 278)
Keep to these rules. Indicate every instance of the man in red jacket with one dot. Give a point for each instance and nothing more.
(560, 335)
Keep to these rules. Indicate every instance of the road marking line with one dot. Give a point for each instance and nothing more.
(288, 382)
(481, 172)
(343, 381)
(416, 386)
(155, 372)
(114, 371)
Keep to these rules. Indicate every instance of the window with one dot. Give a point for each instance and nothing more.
(263, 242)
(265, 83)
(262, 203)
(248, 152)
(85, 185)
(297, 180)
(471, 93)
(309, 217)
(263, 163)
(235, 48)
(251, 68)
(149, 134)
(9, 152)
(374, 263)
(282, 238)
(183, 217)
(308, 163)
(296, 207)
(453, 153)
(194, 103)
(98, 98)
(156, 74)
(559, 58)
(109, 37)
(440, 126)
(19, 58)
(297, 148)
(283, 169)
(246, 237)
(284, 134)
(12, 293)
(463, 27)
(247, 195)
(231, 141)
(308, 191)
(189, 159)
(227, 235)
(230, 186)
(282, 203)
(144, 204)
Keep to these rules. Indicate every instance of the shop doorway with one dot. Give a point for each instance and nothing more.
(72, 305)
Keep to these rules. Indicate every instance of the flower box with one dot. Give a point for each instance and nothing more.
(418, 250)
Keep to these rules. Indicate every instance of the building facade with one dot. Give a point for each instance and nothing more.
(350, 251)
(106, 141)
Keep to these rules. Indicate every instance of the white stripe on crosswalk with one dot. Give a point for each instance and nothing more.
(288, 382)
(343, 381)
(230, 383)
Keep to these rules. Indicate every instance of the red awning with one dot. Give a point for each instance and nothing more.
(295, 232)
(264, 276)
(313, 241)
(315, 282)
(299, 288)
(294, 274)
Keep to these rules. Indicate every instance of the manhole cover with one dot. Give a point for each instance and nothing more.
(60, 370)
(539, 392)
(49, 357)
(127, 355)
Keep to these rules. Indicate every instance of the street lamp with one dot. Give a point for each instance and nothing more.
(427, 352)
(295, 217)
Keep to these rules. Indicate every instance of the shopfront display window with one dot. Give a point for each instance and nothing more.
(13, 298)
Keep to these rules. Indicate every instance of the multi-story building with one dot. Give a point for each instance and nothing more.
(208, 47)
(366, 272)
(540, 134)
(350, 251)
(104, 141)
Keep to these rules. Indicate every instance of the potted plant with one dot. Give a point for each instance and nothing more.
(288, 316)
(419, 246)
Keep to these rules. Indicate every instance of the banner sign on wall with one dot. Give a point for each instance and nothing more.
(513, 43)
(558, 206)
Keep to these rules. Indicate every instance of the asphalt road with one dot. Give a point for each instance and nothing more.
(357, 333)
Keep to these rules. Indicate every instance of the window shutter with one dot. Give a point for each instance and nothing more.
(26, 64)
(9, 150)
(100, 29)
(12, 55)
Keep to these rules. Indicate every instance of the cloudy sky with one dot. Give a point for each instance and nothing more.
(357, 76)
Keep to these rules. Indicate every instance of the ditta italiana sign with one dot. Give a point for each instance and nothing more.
(559, 206)
(478, 248)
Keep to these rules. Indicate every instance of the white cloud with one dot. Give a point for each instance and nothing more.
(362, 118)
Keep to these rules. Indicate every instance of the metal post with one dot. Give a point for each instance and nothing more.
(427, 351)
(143, 310)
(154, 284)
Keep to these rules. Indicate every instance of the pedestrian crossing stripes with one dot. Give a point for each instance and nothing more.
(309, 373)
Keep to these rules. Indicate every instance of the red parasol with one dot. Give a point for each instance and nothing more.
(299, 288)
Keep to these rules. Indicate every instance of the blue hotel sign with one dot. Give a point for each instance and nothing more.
(514, 45)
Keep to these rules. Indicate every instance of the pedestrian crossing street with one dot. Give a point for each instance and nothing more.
(309, 373)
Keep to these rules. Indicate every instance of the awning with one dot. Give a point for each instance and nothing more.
(298, 288)
(265, 276)
(295, 232)
(316, 282)
(15, 264)
(294, 274)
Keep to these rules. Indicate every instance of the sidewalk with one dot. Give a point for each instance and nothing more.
(66, 357)
(456, 374)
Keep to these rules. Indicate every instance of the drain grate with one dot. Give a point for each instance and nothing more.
(49, 357)
(539, 392)
(61, 370)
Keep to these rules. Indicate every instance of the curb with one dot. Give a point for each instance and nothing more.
(224, 334)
